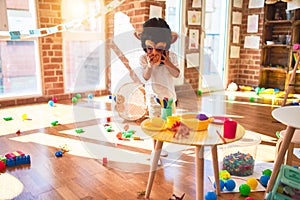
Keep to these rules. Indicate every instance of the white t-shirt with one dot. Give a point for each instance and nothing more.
(160, 84)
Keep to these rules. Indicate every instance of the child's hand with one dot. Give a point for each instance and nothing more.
(165, 59)
(153, 59)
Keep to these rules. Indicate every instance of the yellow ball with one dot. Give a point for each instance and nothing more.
(24, 116)
(252, 182)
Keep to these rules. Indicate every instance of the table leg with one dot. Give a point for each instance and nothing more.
(199, 172)
(282, 150)
(214, 151)
(153, 167)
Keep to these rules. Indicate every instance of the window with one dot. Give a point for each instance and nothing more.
(83, 46)
(19, 63)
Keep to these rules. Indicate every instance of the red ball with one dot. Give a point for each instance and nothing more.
(249, 198)
(54, 99)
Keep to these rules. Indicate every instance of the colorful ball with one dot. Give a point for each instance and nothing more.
(264, 179)
(51, 103)
(90, 96)
(54, 99)
(252, 182)
(245, 190)
(58, 154)
(74, 100)
(78, 96)
(24, 116)
(230, 185)
(267, 172)
(251, 99)
(210, 196)
(249, 198)
(199, 92)
(222, 185)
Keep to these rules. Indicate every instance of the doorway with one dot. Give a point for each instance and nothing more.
(214, 44)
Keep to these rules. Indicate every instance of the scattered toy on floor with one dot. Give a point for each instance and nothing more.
(16, 158)
(174, 197)
(245, 189)
(18, 132)
(79, 130)
(51, 103)
(8, 118)
(54, 123)
(211, 196)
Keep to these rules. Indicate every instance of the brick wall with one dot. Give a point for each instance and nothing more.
(246, 69)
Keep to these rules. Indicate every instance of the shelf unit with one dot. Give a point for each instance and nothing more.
(277, 52)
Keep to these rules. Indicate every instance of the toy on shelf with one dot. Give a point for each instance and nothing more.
(245, 190)
(211, 196)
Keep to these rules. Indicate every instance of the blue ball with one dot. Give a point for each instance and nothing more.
(90, 96)
(51, 103)
(230, 184)
(222, 185)
(264, 179)
(210, 196)
(58, 154)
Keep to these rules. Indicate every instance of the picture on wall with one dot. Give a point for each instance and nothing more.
(193, 39)
(194, 17)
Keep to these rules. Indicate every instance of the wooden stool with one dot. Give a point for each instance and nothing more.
(295, 140)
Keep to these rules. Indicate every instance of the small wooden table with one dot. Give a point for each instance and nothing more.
(199, 139)
(290, 116)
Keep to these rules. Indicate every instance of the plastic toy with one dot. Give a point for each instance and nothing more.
(18, 132)
(54, 123)
(16, 158)
(8, 118)
(210, 196)
(2, 166)
(104, 160)
(287, 185)
(222, 185)
(54, 99)
(74, 100)
(249, 198)
(78, 96)
(224, 175)
(230, 185)
(267, 172)
(58, 154)
(199, 92)
(51, 103)
(264, 179)
(3, 159)
(252, 182)
(24, 116)
(107, 119)
(245, 190)
(79, 130)
(90, 96)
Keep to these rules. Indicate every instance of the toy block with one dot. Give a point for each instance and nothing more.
(10, 155)
(2, 166)
(20, 153)
(10, 162)
(27, 159)
(3, 159)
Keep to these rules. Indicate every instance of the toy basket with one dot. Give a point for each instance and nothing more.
(239, 157)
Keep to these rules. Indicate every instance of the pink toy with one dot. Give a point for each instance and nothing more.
(249, 198)
(296, 46)
(230, 129)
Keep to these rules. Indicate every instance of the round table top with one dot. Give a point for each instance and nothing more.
(207, 137)
(288, 115)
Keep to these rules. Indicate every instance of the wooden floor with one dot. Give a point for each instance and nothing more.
(78, 175)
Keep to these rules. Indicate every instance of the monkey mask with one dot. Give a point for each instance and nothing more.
(156, 39)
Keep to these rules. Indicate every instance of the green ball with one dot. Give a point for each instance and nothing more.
(74, 100)
(199, 92)
(251, 99)
(78, 96)
(267, 172)
(245, 190)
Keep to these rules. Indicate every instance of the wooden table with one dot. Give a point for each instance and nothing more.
(199, 139)
(290, 116)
